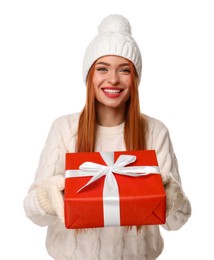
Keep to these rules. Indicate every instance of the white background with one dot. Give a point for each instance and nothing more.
(41, 50)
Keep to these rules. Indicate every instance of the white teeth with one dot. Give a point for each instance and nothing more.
(112, 90)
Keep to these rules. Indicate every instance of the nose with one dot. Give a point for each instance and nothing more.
(113, 78)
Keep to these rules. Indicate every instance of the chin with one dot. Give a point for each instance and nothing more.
(114, 105)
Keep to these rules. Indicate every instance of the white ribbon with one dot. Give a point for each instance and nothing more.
(111, 205)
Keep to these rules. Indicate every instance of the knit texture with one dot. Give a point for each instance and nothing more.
(49, 195)
(113, 38)
(174, 193)
(114, 243)
(45, 201)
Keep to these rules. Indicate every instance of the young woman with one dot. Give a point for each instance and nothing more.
(111, 120)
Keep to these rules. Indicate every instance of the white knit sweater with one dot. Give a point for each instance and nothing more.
(102, 243)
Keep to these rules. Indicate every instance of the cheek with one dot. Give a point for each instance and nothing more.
(128, 84)
(129, 87)
(128, 93)
(97, 80)
(126, 80)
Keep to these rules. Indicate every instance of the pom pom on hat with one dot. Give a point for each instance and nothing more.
(114, 38)
(115, 24)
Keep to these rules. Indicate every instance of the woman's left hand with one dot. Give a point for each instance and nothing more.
(174, 193)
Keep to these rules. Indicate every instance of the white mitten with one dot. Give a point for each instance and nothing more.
(50, 196)
(174, 193)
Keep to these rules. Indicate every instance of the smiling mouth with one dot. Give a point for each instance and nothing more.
(112, 92)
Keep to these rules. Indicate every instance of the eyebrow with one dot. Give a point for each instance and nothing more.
(108, 64)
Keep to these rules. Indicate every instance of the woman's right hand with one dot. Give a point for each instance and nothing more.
(50, 195)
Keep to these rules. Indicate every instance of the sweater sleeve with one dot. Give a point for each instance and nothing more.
(167, 161)
(51, 163)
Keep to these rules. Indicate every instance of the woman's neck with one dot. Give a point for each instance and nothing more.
(108, 116)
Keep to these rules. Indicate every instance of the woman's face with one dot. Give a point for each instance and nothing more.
(112, 81)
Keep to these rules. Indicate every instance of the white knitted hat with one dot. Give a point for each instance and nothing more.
(114, 38)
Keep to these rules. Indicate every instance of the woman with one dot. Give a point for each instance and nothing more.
(110, 121)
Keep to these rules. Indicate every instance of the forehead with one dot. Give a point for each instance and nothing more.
(113, 60)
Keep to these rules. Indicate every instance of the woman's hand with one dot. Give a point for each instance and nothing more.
(174, 193)
(50, 196)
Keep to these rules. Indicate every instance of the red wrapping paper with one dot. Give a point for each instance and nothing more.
(142, 199)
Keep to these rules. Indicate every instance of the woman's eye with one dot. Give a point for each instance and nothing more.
(101, 69)
(126, 71)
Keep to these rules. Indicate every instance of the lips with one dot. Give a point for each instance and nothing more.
(112, 92)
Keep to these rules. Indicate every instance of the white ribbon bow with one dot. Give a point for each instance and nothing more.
(111, 205)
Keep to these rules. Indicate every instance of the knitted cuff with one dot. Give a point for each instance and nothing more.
(175, 195)
(179, 200)
(44, 201)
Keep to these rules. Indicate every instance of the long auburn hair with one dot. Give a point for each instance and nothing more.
(135, 124)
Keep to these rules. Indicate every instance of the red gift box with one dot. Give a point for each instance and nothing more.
(113, 189)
